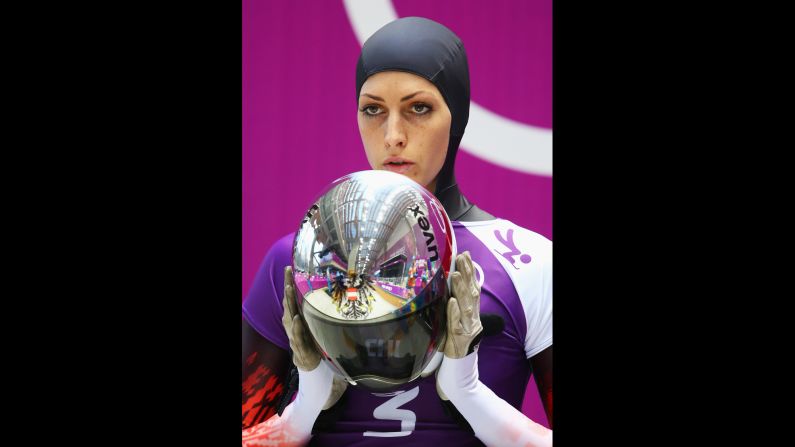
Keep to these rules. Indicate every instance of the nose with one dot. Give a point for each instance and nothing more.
(395, 134)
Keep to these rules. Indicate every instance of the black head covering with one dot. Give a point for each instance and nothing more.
(430, 50)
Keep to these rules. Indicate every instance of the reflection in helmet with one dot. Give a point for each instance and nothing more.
(371, 263)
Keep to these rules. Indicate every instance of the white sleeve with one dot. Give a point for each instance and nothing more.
(294, 427)
(494, 421)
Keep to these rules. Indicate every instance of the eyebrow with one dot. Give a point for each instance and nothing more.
(407, 97)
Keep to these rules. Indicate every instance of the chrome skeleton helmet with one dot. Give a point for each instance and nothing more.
(371, 263)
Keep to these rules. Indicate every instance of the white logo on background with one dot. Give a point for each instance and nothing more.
(479, 274)
(390, 411)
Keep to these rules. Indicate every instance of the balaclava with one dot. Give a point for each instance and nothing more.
(428, 49)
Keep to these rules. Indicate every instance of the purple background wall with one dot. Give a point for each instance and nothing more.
(299, 110)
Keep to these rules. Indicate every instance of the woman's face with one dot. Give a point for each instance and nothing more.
(405, 125)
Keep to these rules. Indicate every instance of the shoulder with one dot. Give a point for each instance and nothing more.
(512, 244)
(270, 276)
(278, 256)
(262, 308)
(283, 246)
(513, 257)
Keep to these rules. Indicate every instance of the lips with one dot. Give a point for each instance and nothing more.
(397, 164)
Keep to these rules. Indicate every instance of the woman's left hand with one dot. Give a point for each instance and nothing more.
(464, 329)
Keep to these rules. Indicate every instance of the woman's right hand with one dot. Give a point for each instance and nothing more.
(305, 355)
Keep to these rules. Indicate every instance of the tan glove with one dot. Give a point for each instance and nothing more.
(463, 309)
(305, 355)
(463, 313)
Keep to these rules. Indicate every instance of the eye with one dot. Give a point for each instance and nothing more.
(420, 108)
(371, 110)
